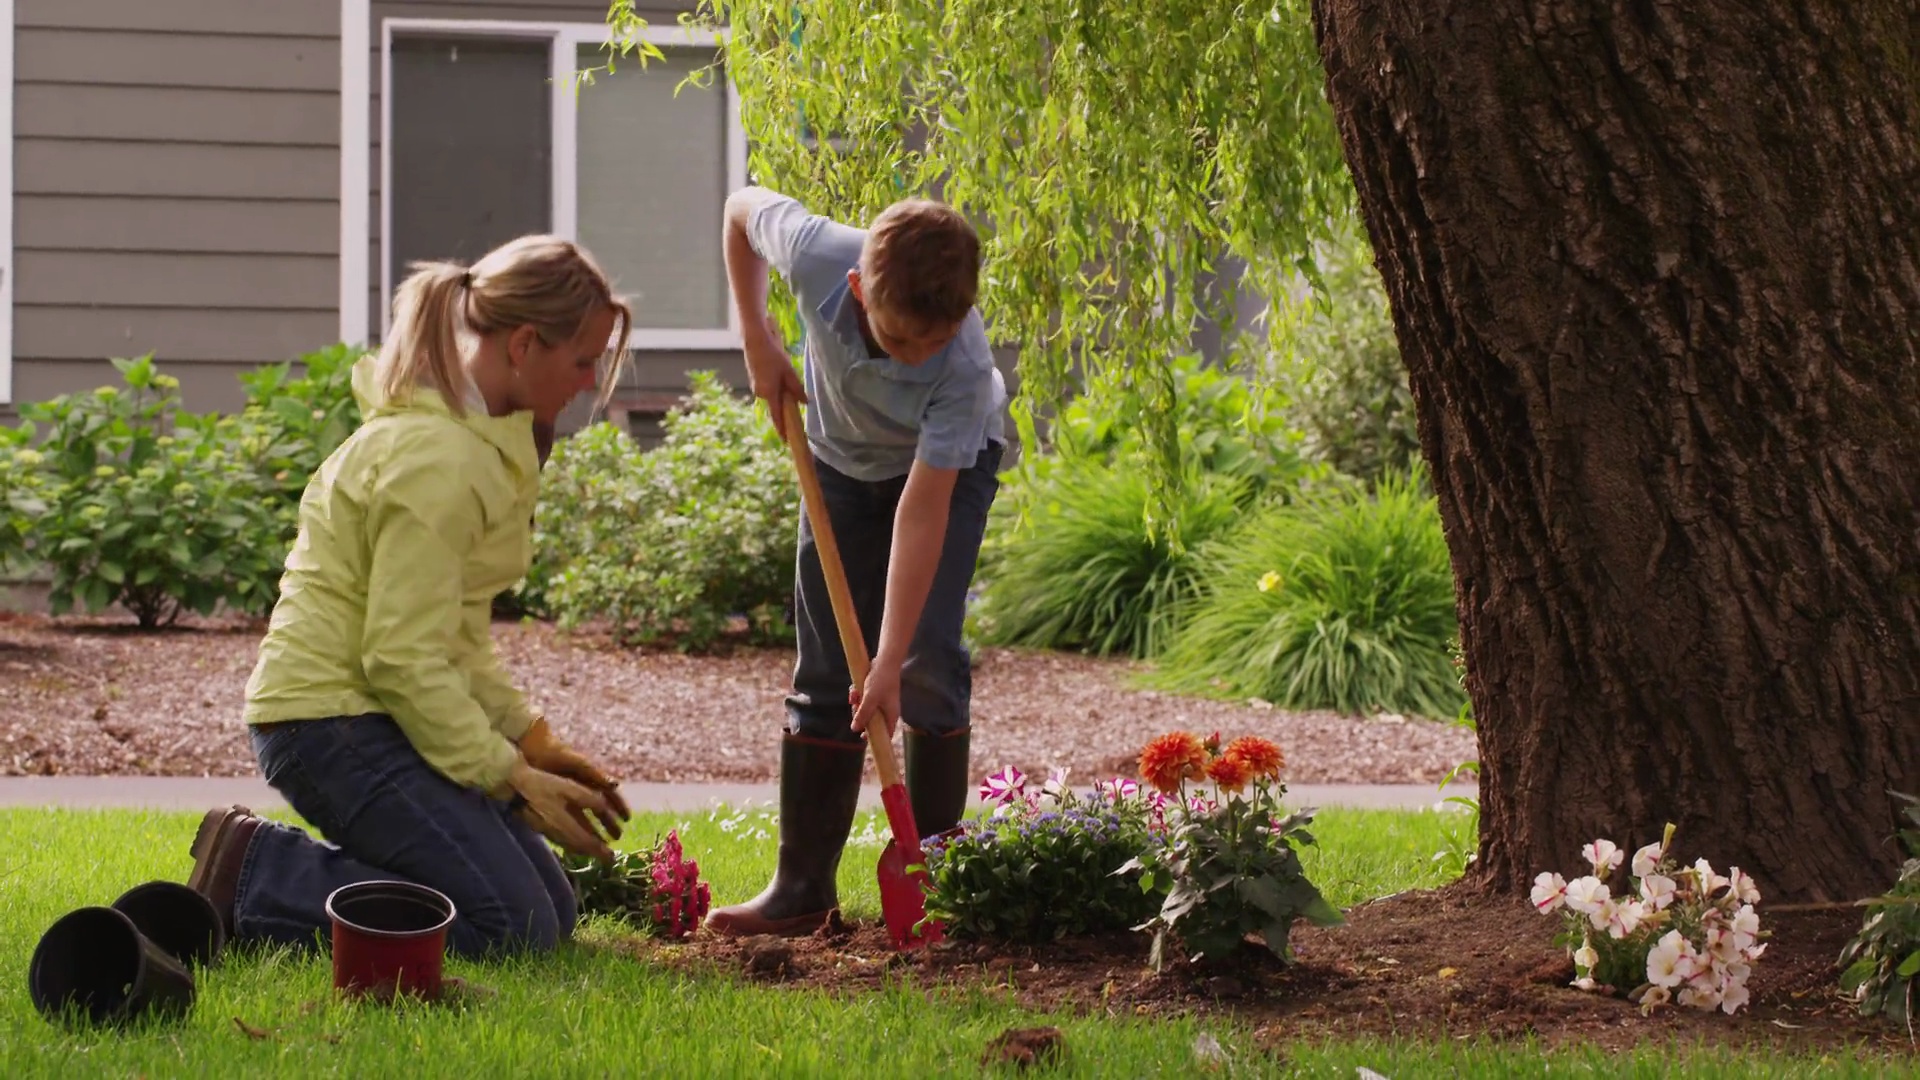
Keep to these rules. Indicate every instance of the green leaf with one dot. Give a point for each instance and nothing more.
(112, 572)
(1910, 966)
(1860, 972)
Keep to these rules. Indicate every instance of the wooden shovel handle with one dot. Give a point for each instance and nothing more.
(852, 641)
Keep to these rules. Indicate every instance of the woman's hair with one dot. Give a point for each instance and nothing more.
(442, 309)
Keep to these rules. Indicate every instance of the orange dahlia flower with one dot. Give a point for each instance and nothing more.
(1229, 772)
(1171, 758)
(1262, 757)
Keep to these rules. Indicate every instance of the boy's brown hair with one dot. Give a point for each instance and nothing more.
(922, 260)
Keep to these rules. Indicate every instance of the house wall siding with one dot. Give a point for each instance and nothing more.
(176, 190)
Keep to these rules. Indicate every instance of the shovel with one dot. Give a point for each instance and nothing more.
(903, 898)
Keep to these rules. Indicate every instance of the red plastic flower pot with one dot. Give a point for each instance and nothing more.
(389, 938)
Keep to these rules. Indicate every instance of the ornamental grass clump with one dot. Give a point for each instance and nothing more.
(1228, 868)
(1044, 864)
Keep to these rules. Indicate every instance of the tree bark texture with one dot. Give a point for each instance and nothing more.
(1654, 268)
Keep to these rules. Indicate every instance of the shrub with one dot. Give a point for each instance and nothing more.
(1229, 868)
(1227, 425)
(301, 420)
(1674, 933)
(1342, 601)
(21, 491)
(673, 543)
(1044, 865)
(160, 511)
(1881, 964)
(1350, 401)
(1083, 571)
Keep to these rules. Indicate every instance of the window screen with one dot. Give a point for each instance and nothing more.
(652, 182)
(472, 147)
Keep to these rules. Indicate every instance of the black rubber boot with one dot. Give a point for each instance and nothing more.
(819, 791)
(937, 777)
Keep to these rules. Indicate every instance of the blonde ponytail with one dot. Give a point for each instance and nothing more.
(442, 309)
(423, 347)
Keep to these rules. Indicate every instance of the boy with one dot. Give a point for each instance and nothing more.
(905, 422)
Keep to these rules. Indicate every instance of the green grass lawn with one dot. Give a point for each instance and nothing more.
(588, 1011)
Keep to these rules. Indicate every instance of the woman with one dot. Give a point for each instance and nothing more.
(377, 708)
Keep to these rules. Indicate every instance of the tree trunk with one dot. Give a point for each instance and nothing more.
(1655, 273)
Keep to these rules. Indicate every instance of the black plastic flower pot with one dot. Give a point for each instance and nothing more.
(176, 918)
(95, 965)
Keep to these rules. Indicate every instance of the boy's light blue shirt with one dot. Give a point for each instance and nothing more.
(870, 418)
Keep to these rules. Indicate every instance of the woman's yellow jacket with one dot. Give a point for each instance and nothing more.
(407, 533)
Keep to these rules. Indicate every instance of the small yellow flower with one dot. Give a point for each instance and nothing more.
(29, 458)
(1270, 581)
(103, 471)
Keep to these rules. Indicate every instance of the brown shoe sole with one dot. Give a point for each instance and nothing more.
(744, 924)
(206, 842)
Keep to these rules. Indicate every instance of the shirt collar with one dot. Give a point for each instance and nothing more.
(840, 313)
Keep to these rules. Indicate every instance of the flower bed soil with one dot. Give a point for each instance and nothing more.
(1450, 963)
(99, 697)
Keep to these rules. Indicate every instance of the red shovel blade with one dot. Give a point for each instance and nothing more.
(903, 899)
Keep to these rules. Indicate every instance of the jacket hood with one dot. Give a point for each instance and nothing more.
(511, 434)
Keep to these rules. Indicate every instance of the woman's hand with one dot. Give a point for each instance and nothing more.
(880, 698)
(558, 809)
(544, 751)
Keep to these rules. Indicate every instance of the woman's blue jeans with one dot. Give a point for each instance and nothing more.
(387, 815)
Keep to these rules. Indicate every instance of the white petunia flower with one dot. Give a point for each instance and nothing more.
(1624, 917)
(1743, 887)
(1646, 859)
(1586, 895)
(1695, 996)
(1710, 882)
(1746, 927)
(1733, 997)
(1549, 892)
(1604, 856)
(1655, 997)
(1657, 890)
(1669, 962)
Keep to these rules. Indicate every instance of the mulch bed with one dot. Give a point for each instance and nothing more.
(100, 697)
(1451, 963)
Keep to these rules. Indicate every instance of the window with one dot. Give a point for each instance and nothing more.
(487, 135)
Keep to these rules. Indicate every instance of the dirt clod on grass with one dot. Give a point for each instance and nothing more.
(99, 697)
(1450, 963)
(1027, 1047)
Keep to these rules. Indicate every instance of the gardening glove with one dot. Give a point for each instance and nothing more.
(560, 809)
(547, 753)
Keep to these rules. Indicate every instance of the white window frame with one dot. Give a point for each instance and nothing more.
(563, 42)
(6, 202)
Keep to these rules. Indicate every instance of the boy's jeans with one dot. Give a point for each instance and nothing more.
(361, 783)
(936, 683)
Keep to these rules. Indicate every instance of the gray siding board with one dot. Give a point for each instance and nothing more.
(89, 332)
(205, 385)
(172, 115)
(120, 58)
(295, 18)
(145, 279)
(109, 223)
(64, 167)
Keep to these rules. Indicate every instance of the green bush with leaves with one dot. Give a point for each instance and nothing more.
(677, 543)
(1227, 425)
(1083, 571)
(21, 503)
(161, 511)
(1349, 398)
(1881, 964)
(1341, 601)
(302, 419)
